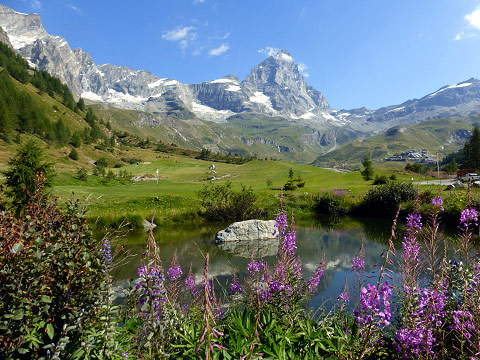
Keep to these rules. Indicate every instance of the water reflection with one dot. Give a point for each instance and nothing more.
(313, 241)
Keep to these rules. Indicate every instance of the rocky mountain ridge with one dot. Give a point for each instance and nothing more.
(274, 89)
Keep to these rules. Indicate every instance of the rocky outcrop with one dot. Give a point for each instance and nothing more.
(4, 38)
(247, 230)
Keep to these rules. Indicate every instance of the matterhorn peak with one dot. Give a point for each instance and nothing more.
(283, 55)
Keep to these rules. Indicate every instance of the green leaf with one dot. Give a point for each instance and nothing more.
(17, 248)
(46, 299)
(50, 331)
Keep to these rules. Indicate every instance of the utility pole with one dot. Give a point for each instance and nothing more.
(438, 167)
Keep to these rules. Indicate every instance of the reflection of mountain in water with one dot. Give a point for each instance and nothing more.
(339, 246)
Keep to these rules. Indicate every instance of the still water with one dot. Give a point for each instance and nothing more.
(314, 239)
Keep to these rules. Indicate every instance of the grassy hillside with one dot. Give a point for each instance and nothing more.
(442, 135)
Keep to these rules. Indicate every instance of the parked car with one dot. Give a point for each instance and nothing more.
(470, 177)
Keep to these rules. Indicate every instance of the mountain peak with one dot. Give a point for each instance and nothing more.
(282, 55)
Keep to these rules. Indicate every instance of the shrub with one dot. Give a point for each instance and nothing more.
(379, 180)
(221, 203)
(101, 163)
(73, 154)
(50, 274)
(384, 199)
(81, 174)
(329, 203)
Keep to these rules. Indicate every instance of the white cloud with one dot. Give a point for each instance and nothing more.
(269, 51)
(219, 51)
(198, 1)
(474, 18)
(463, 35)
(74, 8)
(179, 34)
(36, 4)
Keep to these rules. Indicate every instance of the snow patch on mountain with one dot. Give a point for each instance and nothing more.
(233, 88)
(91, 96)
(450, 87)
(223, 81)
(260, 98)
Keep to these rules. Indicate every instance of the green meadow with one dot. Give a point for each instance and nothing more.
(174, 197)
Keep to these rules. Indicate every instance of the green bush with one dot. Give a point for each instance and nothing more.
(50, 275)
(81, 174)
(380, 180)
(329, 203)
(384, 199)
(221, 203)
(73, 154)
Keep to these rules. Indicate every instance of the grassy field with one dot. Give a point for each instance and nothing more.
(174, 196)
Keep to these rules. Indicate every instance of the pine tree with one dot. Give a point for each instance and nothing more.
(471, 150)
(367, 172)
(22, 171)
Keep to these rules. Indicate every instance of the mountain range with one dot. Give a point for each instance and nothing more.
(272, 111)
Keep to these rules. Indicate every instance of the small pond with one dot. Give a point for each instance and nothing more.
(314, 239)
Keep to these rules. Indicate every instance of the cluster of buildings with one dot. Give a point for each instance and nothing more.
(413, 155)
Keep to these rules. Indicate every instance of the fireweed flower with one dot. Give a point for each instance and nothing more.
(315, 279)
(174, 273)
(467, 216)
(371, 302)
(255, 267)
(410, 245)
(235, 288)
(281, 224)
(106, 252)
(463, 322)
(417, 337)
(358, 264)
(289, 243)
(343, 297)
(438, 201)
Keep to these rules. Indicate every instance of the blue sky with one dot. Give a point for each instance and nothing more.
(369, 53)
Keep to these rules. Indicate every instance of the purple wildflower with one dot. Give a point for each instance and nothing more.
(358, 264)
(106, 252)
(417, 337)
(315, 279)
(235, 288)
(343, 297)
(468, 215)
(463, 322)
(125, 355)
(174, 272)
(255, 267)
(371, 301)
(438, 201)
(414, 222)
(190, 285)
(289, 243)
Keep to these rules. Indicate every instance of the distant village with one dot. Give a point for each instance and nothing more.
(413, 155)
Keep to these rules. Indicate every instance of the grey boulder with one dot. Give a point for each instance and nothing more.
(247, 230)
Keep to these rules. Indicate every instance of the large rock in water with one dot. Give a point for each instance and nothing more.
(247, 230)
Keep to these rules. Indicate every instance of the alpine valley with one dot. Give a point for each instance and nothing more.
(273, 112)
